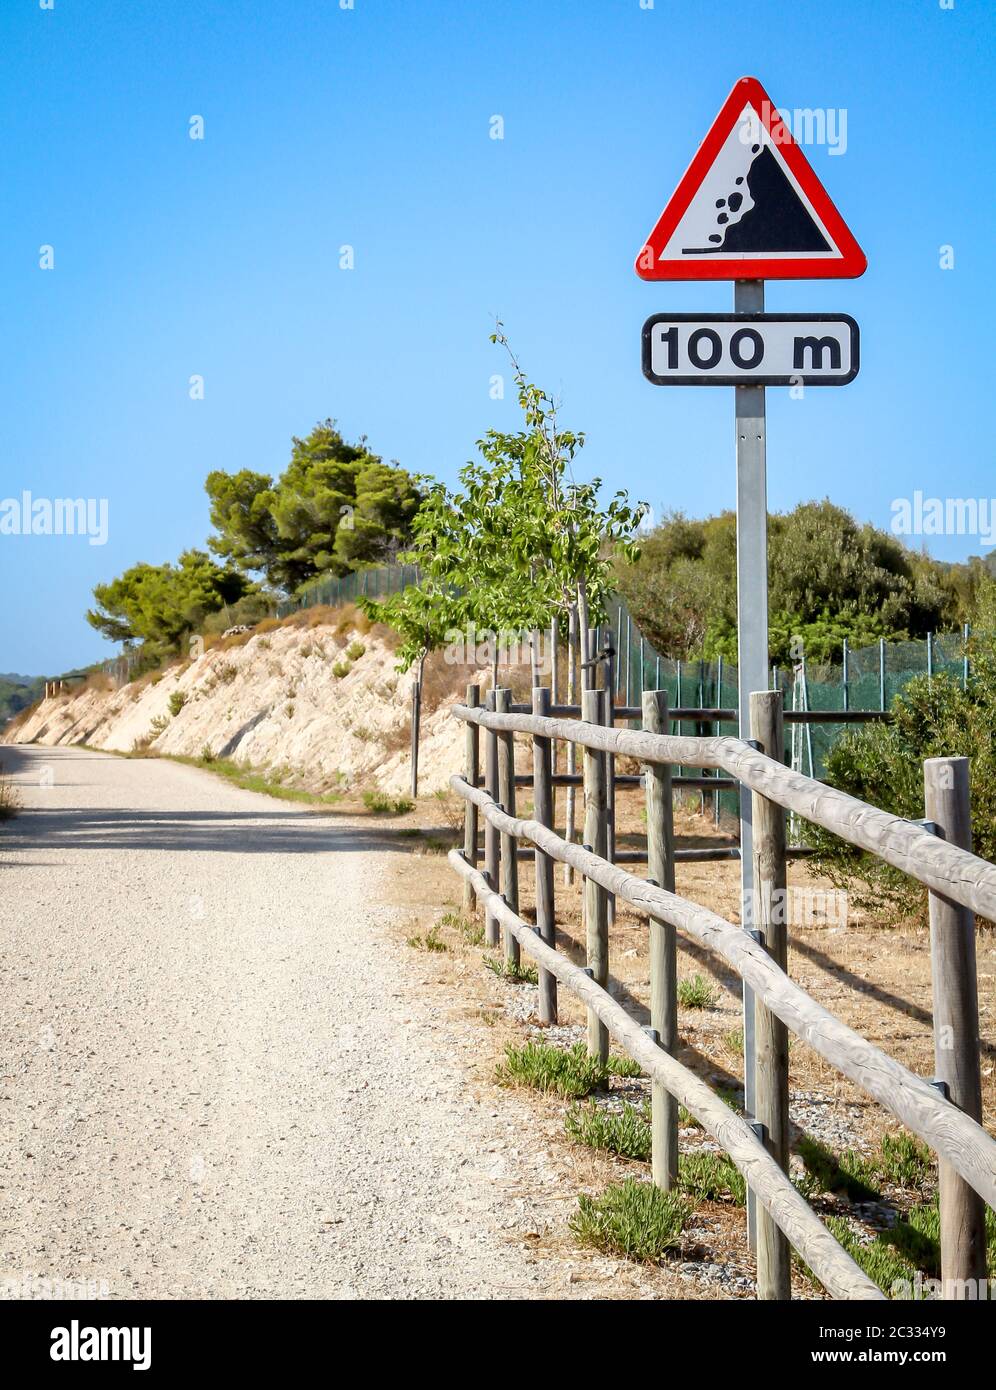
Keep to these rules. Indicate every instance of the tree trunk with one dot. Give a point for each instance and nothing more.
(584, 637)
(416, 723)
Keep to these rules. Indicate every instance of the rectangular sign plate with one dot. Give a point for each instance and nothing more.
(750, 349)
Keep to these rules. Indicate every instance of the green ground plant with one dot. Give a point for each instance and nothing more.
(697, 993)
(625, 1132)
(569, 1072)
(633, 1219)
(508, 970)
(383, 805)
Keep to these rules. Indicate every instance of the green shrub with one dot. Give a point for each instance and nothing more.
(429, 942)
(507, 970)
(382, 805)
(707, 1177)
(569, 1072)
(472, 932)
(905, 1160)
(623, 1066)
(881, 764)
(177, 701)
(850, 1173)
(625, 1132)
(355, 650)
(875, 1257)
(634, 1219)
(697, 993)
(207, 754)
(917, 1238)
(341, 668)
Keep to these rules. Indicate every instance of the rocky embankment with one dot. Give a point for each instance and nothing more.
(321, 706)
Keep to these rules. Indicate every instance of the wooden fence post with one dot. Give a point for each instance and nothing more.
(506, 800)
(472, 774)
(595, 896)
(956, 1030)
(492, 841)
(543, 812)
(768, 912)
(572, 748)
(608, 714)
(663, 945)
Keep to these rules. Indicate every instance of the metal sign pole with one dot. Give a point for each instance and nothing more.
(752, 631)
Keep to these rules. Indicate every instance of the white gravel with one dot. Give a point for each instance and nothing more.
(217, 1079)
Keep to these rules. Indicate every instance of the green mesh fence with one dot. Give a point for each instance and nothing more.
(870, 679)
(872, 676)
(376, 582)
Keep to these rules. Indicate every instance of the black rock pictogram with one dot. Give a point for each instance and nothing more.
(778, 220)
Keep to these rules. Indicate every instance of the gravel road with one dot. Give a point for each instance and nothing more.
(218, 1080)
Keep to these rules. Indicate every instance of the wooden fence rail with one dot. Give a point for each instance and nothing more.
(940, 866)
(833, 1266)
(953, 874)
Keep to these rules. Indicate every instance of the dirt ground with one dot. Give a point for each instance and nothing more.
(875, 979)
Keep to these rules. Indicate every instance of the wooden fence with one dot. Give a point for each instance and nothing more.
(944, 1112)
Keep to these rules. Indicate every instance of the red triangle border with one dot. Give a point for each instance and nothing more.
(852, 261)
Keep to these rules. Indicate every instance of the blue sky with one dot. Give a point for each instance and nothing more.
(370, 127)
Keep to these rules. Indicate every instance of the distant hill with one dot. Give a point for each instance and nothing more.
(16, 692)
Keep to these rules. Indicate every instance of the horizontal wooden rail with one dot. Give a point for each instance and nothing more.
(829, 1262)
(691, 714)
(633, 779)
(955, 873)
(953, 1135)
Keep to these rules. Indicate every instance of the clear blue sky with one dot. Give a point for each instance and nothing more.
(371, 127)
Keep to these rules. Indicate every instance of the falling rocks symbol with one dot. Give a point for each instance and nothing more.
(777, 221)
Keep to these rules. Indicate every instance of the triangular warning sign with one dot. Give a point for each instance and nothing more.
(749, 207)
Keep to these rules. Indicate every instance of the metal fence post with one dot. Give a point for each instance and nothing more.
(770, 1033)
(956, 1030)
(881, 673)
(506, 799)
(663, 945)
(472, 774)
(844, 677)
(554, 661)
(543, 812)
(595, 896)
(492, 840)
(629, 659)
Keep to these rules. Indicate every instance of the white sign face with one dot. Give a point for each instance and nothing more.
(750, 349)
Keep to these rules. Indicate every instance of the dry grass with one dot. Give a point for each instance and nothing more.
(10, 797)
